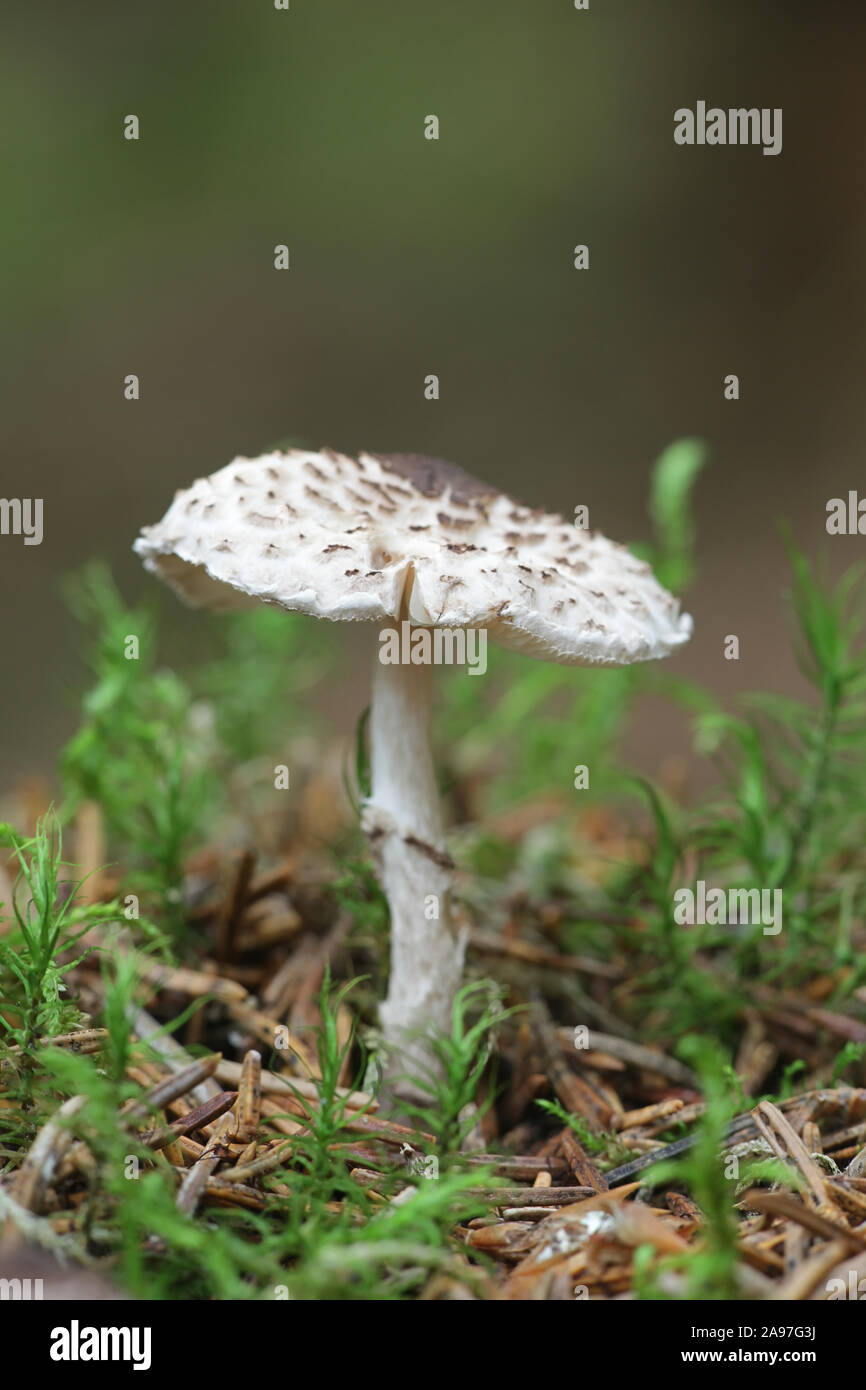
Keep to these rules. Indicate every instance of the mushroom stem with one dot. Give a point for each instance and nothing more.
(404, 822)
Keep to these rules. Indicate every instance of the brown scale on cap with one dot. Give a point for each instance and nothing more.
(432, 477)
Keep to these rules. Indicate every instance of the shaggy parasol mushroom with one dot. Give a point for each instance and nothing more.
(404, 538)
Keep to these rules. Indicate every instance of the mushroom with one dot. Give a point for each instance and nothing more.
(410, 540)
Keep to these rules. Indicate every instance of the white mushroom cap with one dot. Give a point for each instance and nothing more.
(394, 536)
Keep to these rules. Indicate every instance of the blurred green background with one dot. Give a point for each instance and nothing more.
(411, 257)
